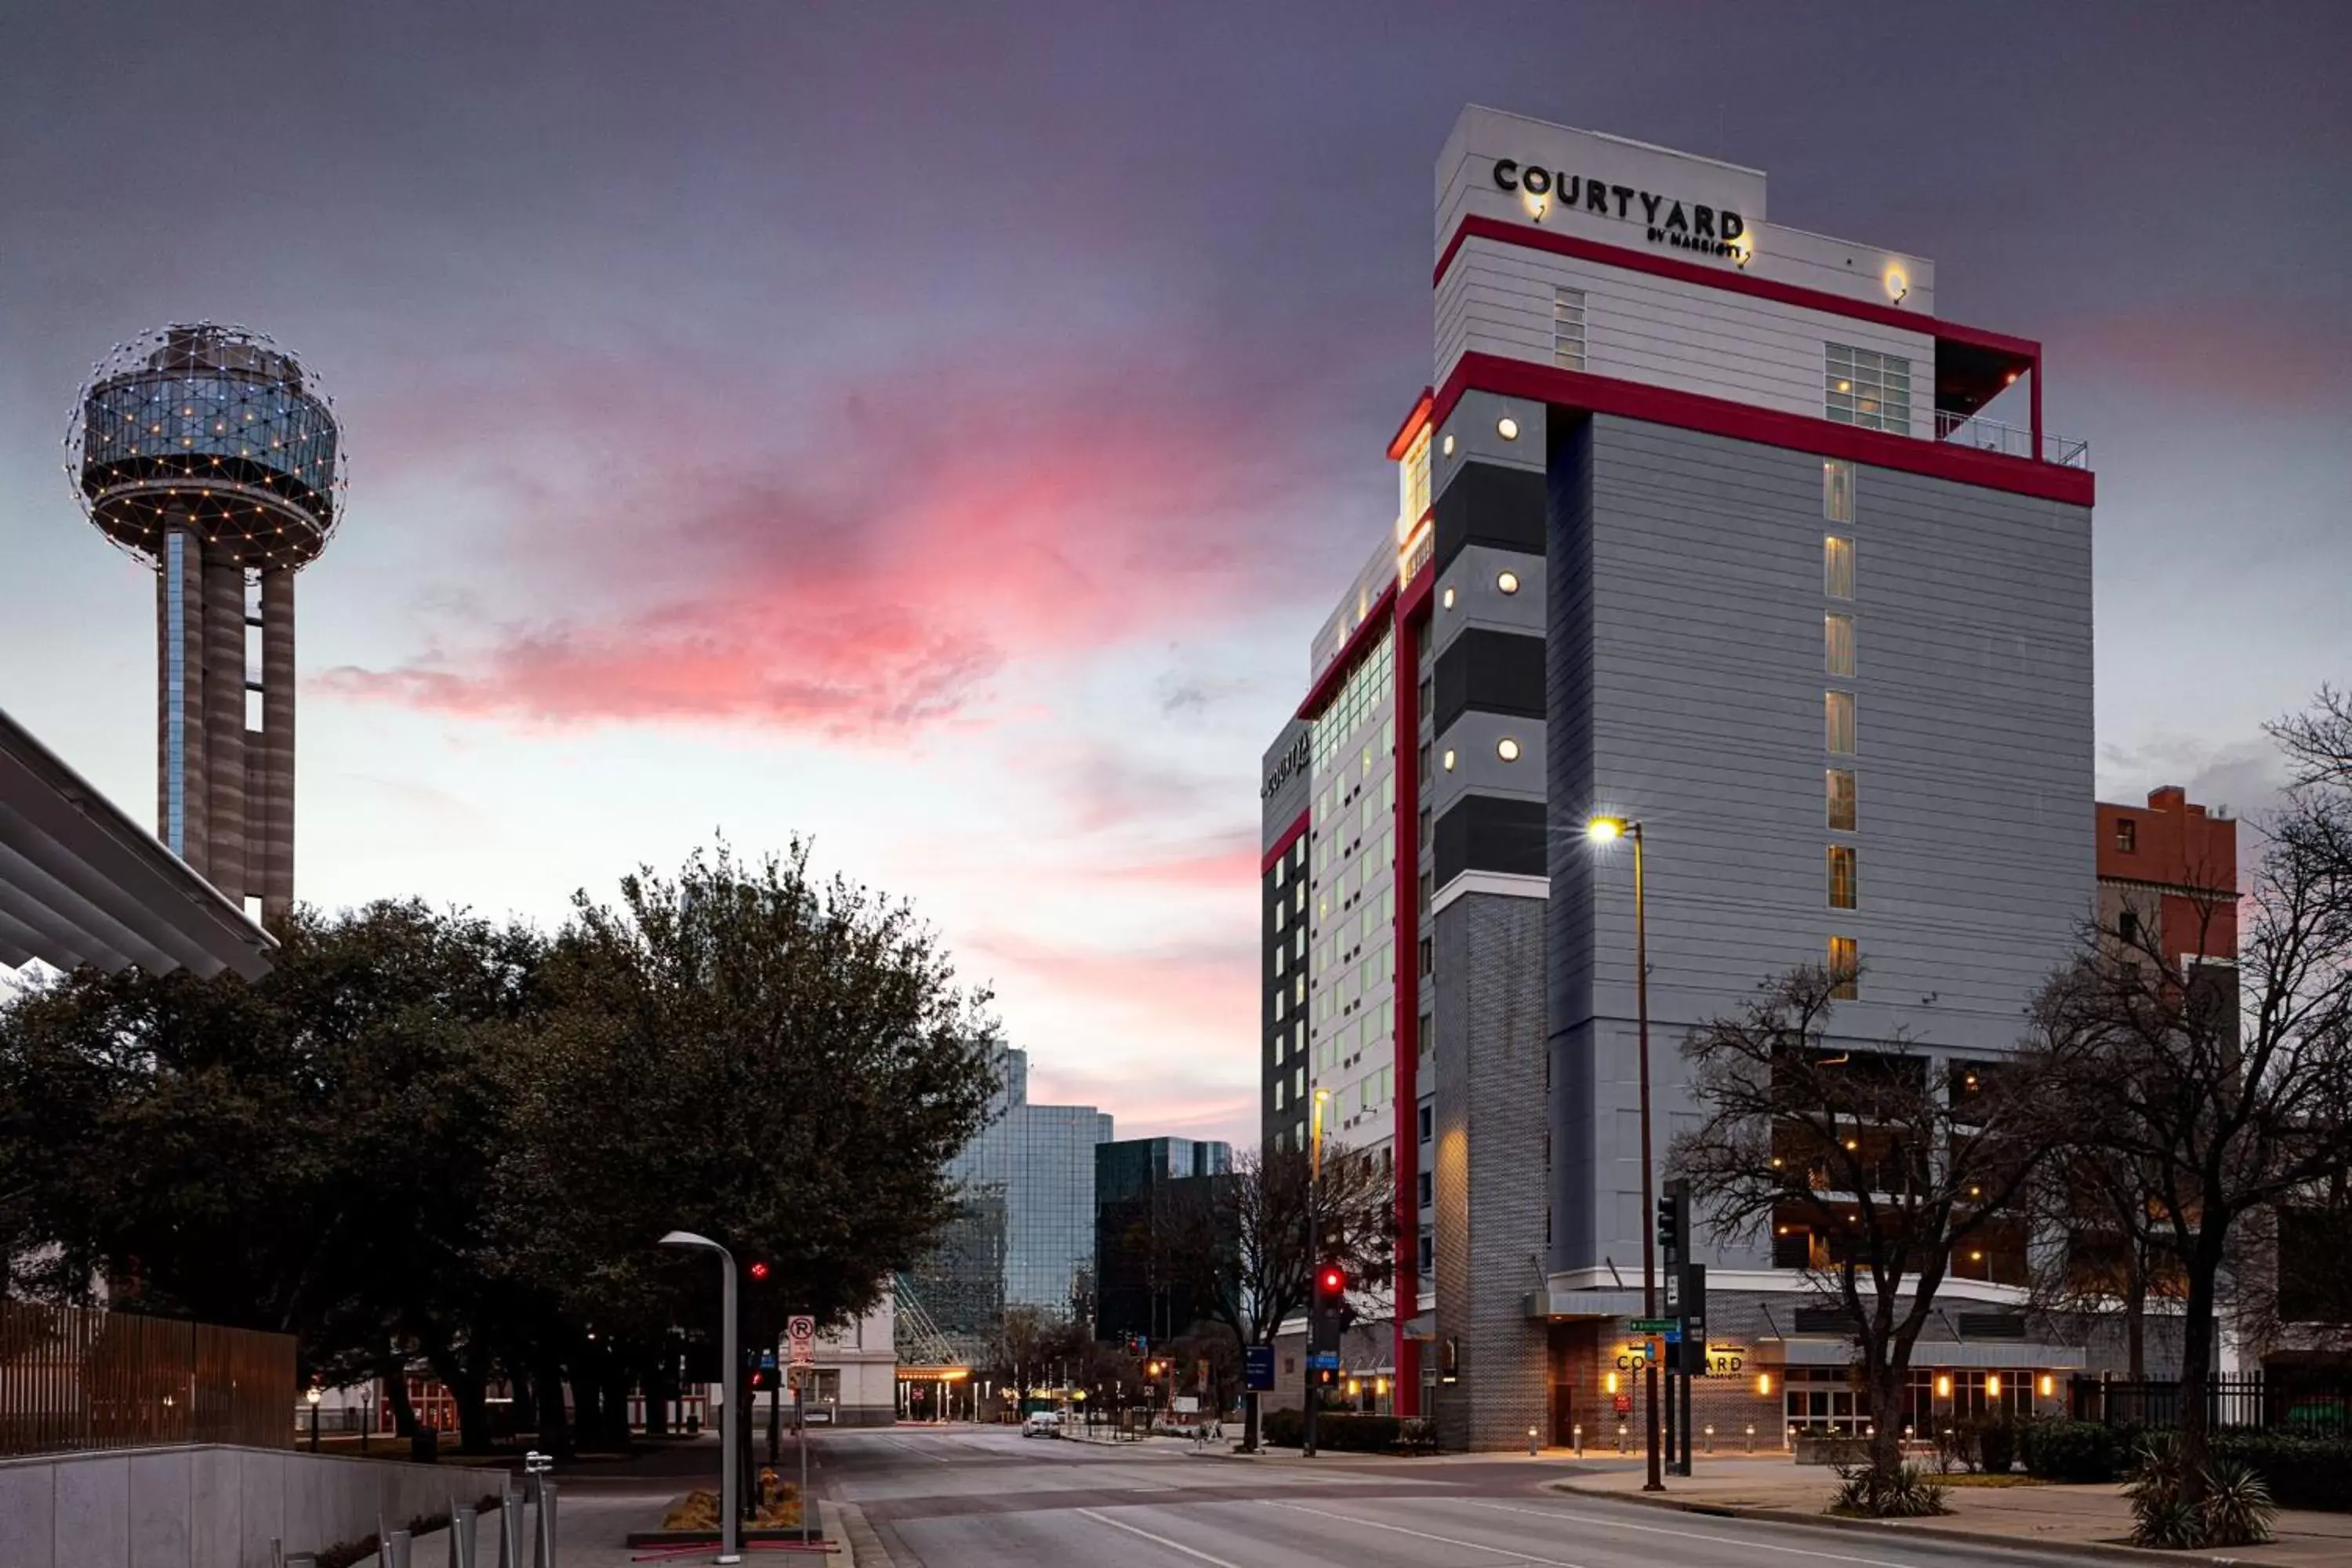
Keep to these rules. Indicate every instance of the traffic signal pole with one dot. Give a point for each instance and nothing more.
(1652, 1481)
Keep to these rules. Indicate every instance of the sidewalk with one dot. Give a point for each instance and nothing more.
(2044, 1516)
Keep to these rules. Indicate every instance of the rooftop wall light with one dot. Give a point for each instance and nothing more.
(1508, 428)
(1507, 749)
(1898, 284)
(1508, 582)
(1446, 446)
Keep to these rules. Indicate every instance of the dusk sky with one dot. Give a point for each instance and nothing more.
(938, 430)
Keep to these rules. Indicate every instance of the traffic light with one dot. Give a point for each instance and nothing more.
(1327, 1377)
(758, 1270)
(1673, 1223)
(1330, 1288)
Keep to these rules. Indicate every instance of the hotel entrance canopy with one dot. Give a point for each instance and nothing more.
(82, 883)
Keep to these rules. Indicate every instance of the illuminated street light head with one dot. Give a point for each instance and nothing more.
(1605, 829)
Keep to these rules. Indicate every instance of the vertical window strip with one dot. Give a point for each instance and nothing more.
(1567, 327)
(1838, 714)
(1837, 565)
(175, 686)
(1845, 968)
(1837, 644)
(1841, 811)
(1837, 489)
(1844, 879)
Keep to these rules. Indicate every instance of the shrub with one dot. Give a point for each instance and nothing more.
(1997, 1446)
(2235, 1508)
(2301, 1472)
(1420, 1436)
(2082, 1452)
(1955, 1445)
(1283, 1428)
(1908, 1493)
(2238, 1508)
(1346, 1433)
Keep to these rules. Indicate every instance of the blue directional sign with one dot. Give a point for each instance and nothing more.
(1257, 1367)
(1323, 1361)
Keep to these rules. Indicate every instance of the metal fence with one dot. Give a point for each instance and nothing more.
(2318, 1406)
(78, 1378)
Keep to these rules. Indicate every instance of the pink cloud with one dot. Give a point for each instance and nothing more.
(2263, 352)
(1205, 988)
(865, 568)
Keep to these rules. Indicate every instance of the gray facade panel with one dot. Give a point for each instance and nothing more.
(1686, 598)
(1489, 1059)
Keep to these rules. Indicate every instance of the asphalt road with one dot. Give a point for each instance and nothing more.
(968, 1498)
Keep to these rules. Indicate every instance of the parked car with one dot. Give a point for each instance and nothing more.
(1042, 1424)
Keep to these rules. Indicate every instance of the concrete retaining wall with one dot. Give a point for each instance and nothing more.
(207, 1505)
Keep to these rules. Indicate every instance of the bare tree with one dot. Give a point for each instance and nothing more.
(1878, 1162)
(1246, 1244)
(2229, 1087)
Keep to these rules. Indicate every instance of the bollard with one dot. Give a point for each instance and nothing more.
(396, 1552)
(1580, 1439)
(544, 1556)
(510, 1529)
(1621, 1437)
(301, 1560)
(1751, 1436)
(1710, 1437)
(277, 1553)
(1531, 1442)
(461, 1534)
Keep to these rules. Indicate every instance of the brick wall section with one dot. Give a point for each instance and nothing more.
(1491, 1113)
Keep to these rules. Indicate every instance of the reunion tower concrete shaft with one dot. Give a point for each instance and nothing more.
(207, 453)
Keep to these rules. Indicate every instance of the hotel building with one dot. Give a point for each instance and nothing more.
(1703, 522)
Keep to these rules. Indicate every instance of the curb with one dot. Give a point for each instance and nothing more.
(865, 1547)
(2110, 1550)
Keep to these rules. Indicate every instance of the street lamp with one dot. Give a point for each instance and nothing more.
(1314, 1160)
(1608, 830)
(731, 1414)
(314, 1396)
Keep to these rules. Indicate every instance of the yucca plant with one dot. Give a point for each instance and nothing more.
(2238, 1508)
(1908, 1493)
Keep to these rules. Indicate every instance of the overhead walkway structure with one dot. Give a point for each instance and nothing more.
(80, 882)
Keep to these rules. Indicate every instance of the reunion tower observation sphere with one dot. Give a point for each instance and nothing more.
(213, 429)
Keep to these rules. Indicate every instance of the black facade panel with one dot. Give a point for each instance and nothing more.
(1491, 833)
(1488, 504)
(1491, 672)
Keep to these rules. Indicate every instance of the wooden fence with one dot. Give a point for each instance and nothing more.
(74, 1378)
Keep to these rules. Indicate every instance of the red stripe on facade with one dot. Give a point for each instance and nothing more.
(1326, 685)
(1743, 422)
(1402, 440)
(1732, 281)
(1410, 617)
(1290, 835)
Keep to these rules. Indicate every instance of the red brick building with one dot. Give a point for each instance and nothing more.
(2169, 874)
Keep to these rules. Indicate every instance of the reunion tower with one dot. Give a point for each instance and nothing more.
(211, 455)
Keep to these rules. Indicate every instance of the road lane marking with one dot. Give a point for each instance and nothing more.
(1425, 1535)
(1156, 1540)
(1732, 1540)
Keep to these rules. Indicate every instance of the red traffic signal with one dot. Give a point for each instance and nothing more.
(759, 1270)
(1330, 1284)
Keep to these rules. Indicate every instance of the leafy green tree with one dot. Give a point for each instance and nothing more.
(782, 1063)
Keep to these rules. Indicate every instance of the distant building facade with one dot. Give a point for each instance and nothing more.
(1135, 1178)
(1026, 1233)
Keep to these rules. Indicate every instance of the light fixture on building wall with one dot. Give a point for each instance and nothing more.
(1764, 1385)
(1446, 598)
(1508, 428)
(1446, 446)
(1449, 759)
(1898, 284)
(1507, 749)
(1508, 582)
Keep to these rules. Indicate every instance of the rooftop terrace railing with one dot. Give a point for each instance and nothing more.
(1992, 435)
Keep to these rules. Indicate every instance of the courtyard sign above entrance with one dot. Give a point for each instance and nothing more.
(1665, 219)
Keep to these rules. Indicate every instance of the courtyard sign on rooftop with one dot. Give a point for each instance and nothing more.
(1666, 220)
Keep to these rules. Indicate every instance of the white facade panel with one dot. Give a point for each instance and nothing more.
(1660, 331)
